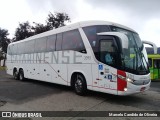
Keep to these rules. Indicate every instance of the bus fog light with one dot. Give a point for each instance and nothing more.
(125, 89)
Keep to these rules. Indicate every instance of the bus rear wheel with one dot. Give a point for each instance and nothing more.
(80, 86)
(15, 74)
(21, 75)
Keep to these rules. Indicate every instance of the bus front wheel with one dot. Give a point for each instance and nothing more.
(80, 86)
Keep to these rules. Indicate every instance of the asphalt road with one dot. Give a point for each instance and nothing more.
(31, 95)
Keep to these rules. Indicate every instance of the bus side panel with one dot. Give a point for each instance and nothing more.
(32, 71)
(108, 80)
(61, 71)
(95, 74)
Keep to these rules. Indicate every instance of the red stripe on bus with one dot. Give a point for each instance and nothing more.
(121, 84)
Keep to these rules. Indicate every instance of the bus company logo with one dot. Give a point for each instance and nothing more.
(6, 114)
(59, 57)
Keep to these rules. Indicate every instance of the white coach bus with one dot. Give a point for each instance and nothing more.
(95, 55)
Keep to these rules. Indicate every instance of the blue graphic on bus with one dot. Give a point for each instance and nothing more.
(110, 77)
(100, 67)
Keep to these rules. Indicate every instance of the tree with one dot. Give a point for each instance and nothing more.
(57, 20)
(39, 28)
(23, 31)
(4, 41)
(53, 21)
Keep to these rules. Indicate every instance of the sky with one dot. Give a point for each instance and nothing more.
(141, 15)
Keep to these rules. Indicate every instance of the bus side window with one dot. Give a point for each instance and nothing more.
(59, 42)
(9, 50)
(107, 52)
(72, 41)
(51, 43)
(29, 46)
(14, 49)
(150, 62)
(40, 45)
(155, 63)
(20, 48)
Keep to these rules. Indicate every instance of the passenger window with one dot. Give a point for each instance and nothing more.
(20, 48)
(150, 62)
(14, 49)
(72, 41)
(59, 42)
(9, 50)
(51, 43)
(29, 46)
(91, 33)
(40, 45)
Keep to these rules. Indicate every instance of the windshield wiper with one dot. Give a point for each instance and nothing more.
(145, 60)
(142, 56)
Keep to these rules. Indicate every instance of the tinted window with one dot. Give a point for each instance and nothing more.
(29, 46)
(107, 52)
(51, 43)
(9, 50)
(91, 33)
(150, 62)
(14, 49)
(72, 41)
(40, 45)
(20, 48)
(59, 42)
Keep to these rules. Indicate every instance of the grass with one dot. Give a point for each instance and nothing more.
(2, 68)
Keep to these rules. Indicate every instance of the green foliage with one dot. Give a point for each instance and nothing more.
(4, 41)
(23, 31)
(57, 20)
(53, 21)
(39, 28)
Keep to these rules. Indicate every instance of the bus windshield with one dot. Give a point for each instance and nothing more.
(134, 59)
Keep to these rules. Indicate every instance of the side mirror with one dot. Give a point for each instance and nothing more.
(123, 38)
(152, 44)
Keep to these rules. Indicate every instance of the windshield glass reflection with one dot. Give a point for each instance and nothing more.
(134, 59)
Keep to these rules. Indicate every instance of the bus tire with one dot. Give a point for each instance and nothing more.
(21, 75)
(80, 86)
(15, 74)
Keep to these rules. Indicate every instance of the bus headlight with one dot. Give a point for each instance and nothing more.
(125, 89)
(129, 80)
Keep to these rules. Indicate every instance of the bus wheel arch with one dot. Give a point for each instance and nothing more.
(79, 83)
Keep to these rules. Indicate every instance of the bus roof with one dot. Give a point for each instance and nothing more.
(74, 26)
(154, 56)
